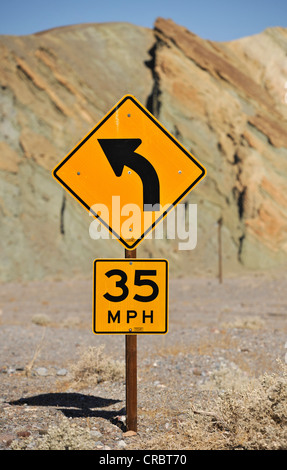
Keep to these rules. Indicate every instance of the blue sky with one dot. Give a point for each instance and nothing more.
(218, 20)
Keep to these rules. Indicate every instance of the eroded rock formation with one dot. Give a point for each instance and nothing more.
(223, 101)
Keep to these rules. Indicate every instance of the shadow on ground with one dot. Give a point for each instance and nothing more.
(74, 405)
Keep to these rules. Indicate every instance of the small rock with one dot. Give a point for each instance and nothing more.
(129, 433)
(62, 372)
(6, 438)
(99, 445)
(95, 434)
(23, 433)
(121, 418)
(43, 432)
(42, 371)
(216, 331)
(122, 444)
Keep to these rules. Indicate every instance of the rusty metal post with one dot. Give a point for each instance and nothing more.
(131, 372)
(220, 250)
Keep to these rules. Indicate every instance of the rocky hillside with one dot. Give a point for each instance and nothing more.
(223, 101)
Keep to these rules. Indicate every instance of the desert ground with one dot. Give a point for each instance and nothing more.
(216, 380)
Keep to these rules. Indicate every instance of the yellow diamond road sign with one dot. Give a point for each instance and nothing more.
(129, 172)
(130, 296)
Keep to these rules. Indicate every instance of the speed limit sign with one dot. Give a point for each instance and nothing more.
(130, 296)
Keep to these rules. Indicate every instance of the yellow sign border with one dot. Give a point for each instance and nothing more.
(133, 260)
(134, 243)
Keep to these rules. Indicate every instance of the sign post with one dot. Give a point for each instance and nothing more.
(131, 372)
(220, 222)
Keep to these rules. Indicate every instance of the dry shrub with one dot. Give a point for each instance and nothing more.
(229, 377)
(246, 322)
(41, 319)
(252, 417)
(66, 436)
(94, 367)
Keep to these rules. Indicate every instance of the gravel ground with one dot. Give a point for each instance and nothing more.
(238, 326)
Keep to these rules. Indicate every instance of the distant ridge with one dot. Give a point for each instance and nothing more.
(224, 101)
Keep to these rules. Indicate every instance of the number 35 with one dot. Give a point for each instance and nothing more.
(138, 281)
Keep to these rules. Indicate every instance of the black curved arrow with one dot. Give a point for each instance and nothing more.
(120, 153)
